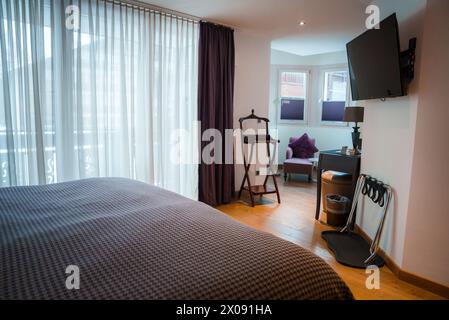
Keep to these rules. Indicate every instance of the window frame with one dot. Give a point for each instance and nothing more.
(321, 88)
(307, 73)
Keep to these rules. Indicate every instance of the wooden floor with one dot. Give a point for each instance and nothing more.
(293, 220)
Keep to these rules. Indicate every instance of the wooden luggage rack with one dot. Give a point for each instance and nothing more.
(253, 140)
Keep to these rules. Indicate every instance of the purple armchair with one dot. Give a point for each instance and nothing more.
(297, 165)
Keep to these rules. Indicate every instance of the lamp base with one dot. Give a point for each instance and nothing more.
(356, 140)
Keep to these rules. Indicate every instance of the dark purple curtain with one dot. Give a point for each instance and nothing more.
(215, 107)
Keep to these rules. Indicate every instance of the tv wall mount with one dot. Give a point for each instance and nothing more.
(407, 58)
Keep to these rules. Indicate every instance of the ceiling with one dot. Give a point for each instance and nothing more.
(330, 24)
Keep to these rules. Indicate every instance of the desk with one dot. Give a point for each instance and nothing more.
(336, 161)
(315, 167)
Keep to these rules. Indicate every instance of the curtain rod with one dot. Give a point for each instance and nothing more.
(157, 9)
(220, 24)
(174, 13)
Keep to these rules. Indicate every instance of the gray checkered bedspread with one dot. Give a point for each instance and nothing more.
(131, 240)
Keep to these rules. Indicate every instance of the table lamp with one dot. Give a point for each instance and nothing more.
(354, 114)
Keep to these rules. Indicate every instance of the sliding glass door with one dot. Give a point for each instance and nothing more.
(96, 88)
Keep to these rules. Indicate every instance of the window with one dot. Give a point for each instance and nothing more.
(89, 101)
(334, 96)
(293, 93)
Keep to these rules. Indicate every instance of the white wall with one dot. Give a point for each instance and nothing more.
(427, 237)
(252, 78)
(388, 146)
(327, 137)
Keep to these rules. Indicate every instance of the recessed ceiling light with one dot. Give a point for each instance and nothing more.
(302, 23)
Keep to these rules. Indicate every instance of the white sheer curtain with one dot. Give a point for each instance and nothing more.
(103, 99)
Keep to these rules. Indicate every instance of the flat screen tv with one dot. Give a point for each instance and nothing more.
(374, 62)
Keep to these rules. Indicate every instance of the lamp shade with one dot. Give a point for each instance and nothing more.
(354, 114)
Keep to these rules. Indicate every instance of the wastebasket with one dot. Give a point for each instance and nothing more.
(337, 209)
(334, 182)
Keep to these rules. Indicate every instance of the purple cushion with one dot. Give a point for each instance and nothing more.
(303, 147)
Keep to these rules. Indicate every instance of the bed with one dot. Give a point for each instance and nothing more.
(131, 240)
